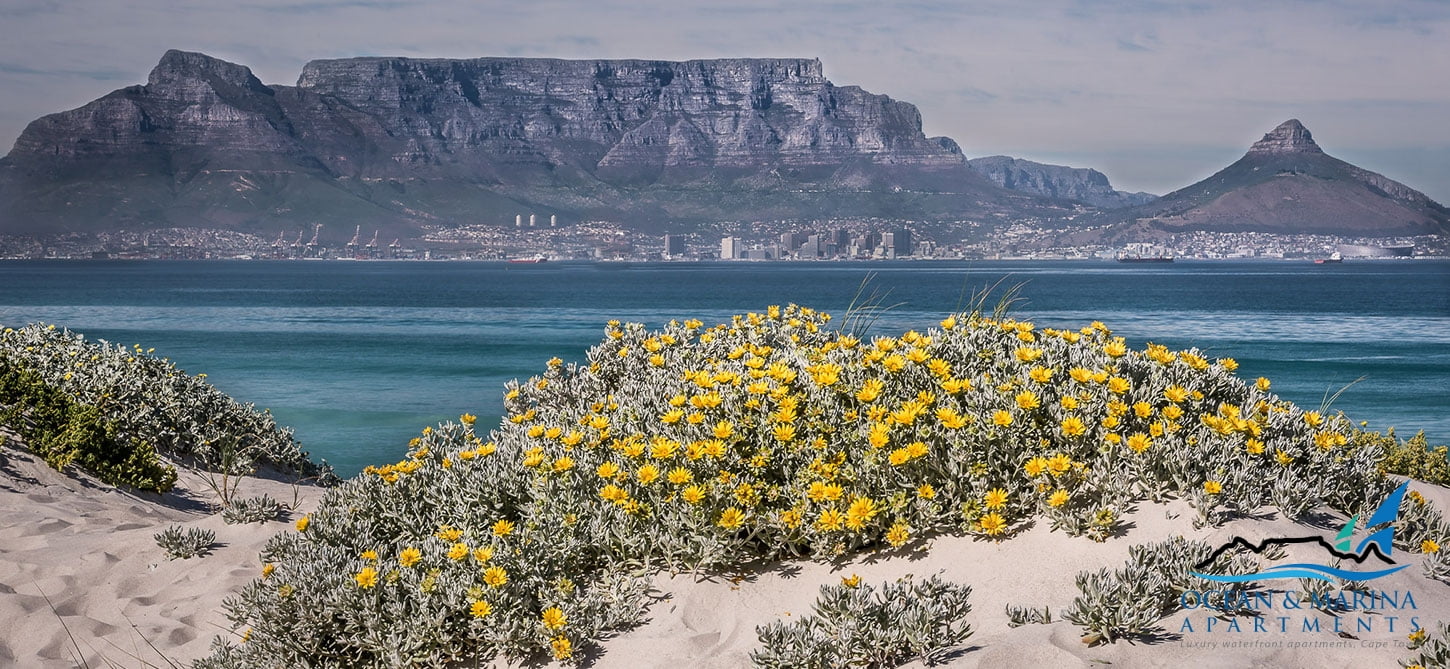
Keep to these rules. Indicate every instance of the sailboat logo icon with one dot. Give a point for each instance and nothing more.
(1379, 544)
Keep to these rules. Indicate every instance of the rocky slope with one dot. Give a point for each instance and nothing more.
(1286, 183)
(1079, 184)
(401, 142)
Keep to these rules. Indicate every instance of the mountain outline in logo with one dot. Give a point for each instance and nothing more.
(1379, 544)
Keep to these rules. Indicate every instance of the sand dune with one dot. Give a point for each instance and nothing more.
(89, 548)
(114, 597)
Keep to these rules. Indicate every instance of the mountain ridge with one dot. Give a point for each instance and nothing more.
(407, 142)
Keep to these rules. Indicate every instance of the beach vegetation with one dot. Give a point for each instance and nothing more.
(181, 543)
(105, 404)
(853, 624)
(779, 435)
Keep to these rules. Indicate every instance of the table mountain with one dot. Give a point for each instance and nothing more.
(402, 143)
(1079, 184)
(1287, 184)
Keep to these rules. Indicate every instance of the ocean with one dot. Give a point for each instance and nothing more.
(357, 357)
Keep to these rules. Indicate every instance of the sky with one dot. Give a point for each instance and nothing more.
(1156, 94)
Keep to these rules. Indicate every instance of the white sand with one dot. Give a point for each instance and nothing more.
(90, 549)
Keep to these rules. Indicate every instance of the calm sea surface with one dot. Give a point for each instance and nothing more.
(359, 356)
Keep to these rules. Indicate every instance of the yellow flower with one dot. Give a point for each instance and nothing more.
(366, 578)
(480, 609)
(495, 577)
(992, 524)
(1282, 457)
(1118, 385)
(672, 416)
(1058, 498)
(303, 522)
(1228, 363)
(861, 512)
(898, 535)
(1429, 546)
(647, 474)
(853, 581)
(1072, 426)
(1059, 464)
(554, 618)
(724, 429)
(562, 648)
(410, 556)
(693, 494)
(482, 555)
(370, 554)
(898, 457)
(1175, 394)
(1312, 418)
(607, 470)
(996, 498)
(870, 390)
(1028, 400)
(731, 518)
(468, 418)
(680, 476)
(1116, 348)
(1040, 374)
(1028, 353)
(1139, 442)
(784, 433)
(1212, 487)
(878, 435)
(267, 569)
(950, 419)
(1035, 466)
(1262, 383)
(503, 528)
(830, 520)
(1002, 418)
(458, 551)
(926, 491)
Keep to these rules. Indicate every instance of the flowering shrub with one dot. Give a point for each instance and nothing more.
(147, 400)
(770, 436)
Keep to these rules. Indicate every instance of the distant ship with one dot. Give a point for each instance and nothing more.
(1333, 258)
(530, 261)
(1145, 259)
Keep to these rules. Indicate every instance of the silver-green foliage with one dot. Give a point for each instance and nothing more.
(150, 400)
(1129, 601)
(862, 626)
(182, 543)
(252, 510)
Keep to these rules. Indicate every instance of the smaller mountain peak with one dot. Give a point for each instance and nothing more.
(179, 66)
(1289, 137)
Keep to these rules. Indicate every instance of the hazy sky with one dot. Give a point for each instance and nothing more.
(1155, 94)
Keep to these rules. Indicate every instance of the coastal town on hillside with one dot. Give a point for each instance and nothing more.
(855, 239)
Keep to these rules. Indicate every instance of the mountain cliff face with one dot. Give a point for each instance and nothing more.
(1286, 183)
(1080, 184)
(402, 142)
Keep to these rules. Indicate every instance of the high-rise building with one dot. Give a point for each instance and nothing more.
(675, 245)
(730, 248)
(900, 244)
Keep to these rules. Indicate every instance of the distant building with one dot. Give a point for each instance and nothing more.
(730, 248)
(518, 220)
(532, 220)
(675, 245)
(899, 244)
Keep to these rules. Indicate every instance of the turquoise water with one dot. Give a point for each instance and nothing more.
(359, 356)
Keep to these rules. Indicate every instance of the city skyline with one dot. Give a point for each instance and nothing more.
(1155, 95)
